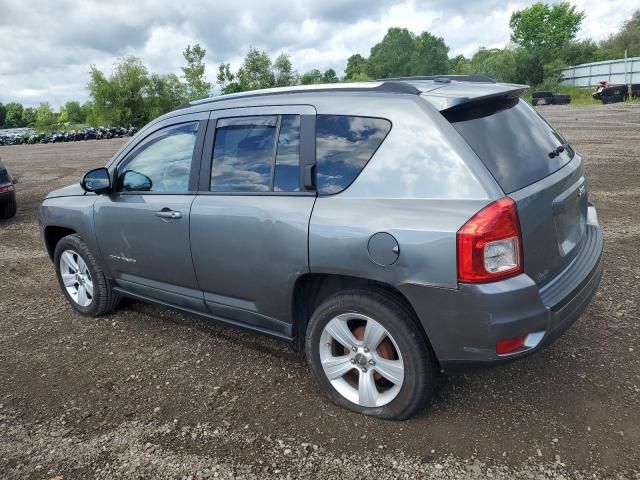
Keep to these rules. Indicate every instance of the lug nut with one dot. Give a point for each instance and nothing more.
(366, 350)
(364, 370)
(354, 349)
(371, 362)
(353, 360)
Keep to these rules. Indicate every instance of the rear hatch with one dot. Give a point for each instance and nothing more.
(538, 169)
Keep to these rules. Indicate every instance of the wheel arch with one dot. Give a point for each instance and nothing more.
(52, 235)
(311, 289)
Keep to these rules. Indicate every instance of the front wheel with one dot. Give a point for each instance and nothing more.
(368, 354)
(81, 278)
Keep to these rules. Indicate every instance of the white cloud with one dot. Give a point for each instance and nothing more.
(49, 46)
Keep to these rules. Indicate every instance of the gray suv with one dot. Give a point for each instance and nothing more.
(392, 229)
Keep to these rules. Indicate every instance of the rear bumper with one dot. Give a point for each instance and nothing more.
(7, 196)
(465, 324)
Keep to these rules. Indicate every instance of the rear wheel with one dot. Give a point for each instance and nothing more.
(82, 279)
(368, 354)
(8, 209)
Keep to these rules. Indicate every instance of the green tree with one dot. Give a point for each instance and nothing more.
(13, 116)
(545, 28)
(498, 63)
(256, 72)
(120, 99)
(73, 112)
(3, 114)
(459, 65)
(85, 111)
(391, 57)
(330, 76)
(283, 72)
(164, 93)
(29, 117)
(628, 38)
(226, 80)
(45, 118)
(356, 68)
(430, 56)
(542, 31)
(312, 77)
(193, 73)
(580, 51)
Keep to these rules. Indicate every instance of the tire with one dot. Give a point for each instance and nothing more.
(8, 209)
(561, 99)
(102, 298)
(404, 342)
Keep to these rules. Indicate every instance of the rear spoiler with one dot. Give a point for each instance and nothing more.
(457, 94)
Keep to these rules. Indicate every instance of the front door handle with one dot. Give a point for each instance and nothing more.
(168, 213)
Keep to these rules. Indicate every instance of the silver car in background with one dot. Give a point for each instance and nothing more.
(392, 229)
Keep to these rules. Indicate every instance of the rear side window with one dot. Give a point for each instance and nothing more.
(344, 145)
(512, 140)
(243, 154)
(287, 171)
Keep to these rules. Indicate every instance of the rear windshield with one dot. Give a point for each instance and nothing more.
(511, 139)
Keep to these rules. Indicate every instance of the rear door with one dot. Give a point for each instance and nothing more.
(538, 169)
(249, 222)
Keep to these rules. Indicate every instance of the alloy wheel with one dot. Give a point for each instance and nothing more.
(361, 360)
(76, 278)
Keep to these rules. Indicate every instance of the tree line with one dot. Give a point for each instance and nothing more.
(543, 43)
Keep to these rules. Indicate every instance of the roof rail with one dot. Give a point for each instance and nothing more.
(445, 78)
(381, 86)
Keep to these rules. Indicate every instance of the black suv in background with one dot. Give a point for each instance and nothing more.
(8, 204)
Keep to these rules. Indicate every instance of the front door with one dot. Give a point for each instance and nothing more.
(250, 220)
(143, 227)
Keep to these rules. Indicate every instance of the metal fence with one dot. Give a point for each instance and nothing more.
(622, 71)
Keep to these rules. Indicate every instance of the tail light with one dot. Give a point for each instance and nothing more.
(490, 244)
(8, 188)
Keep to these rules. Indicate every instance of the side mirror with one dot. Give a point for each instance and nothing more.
(133, 181)
(96, 181)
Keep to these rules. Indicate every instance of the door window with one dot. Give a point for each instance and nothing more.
(287, 172)
(247, 158)
(243, 153)
(163, 164)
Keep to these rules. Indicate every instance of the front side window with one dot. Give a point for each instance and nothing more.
(344, 145)
(163, 164)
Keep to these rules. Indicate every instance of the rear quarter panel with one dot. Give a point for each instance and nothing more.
(421, 186)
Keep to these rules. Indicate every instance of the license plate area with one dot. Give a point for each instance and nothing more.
(570, 216)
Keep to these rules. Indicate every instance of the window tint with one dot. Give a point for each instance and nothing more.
(287, 171)
(243, 154)
(165, 160)
(344, 145)
(511, 139)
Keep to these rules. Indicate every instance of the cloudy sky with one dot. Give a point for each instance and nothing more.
(46, 47)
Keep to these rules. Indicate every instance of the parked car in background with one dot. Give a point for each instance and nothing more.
(390, 229)
(8, 205)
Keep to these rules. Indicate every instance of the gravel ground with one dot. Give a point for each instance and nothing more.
(149, 393)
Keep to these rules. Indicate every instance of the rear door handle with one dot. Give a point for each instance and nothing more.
(168, 213)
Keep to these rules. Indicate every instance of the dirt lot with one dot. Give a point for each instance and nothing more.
(147, 392)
